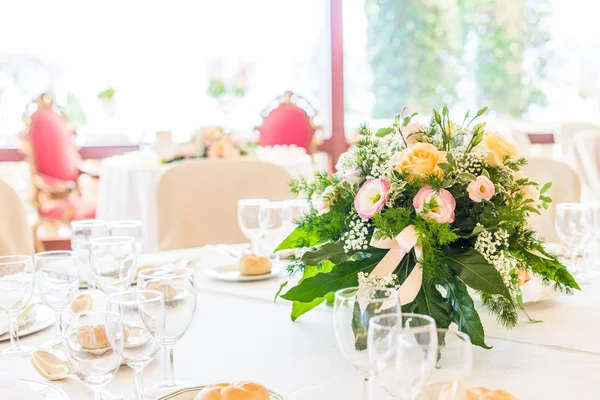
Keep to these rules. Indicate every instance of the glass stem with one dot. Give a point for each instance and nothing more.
(169, 364)
(367, 380)
(14, 330)
(58, 330)
(574, 262)
(138, 381)
(97, 395)
(91, 281)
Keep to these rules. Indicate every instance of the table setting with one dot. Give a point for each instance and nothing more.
(409, 274)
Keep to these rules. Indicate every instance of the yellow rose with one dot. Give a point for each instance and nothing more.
(498, 149)
(420, 159)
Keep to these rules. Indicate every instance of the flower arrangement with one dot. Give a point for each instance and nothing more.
(213, 142)
(431, 210)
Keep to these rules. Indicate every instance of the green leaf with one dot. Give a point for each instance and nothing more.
(465, 315)
(476, 231)
(485, 173)
(447, 168)
(450, 159)
(475, 271)
(548, 266)
(522, 307)
(546, 187)
(384, 132)
(481, 111)
(437, 116)
(342, 275)
(299, 308)
(430, 302)
(297, 239)
(333, 252)
(466, 177)
(284, 284)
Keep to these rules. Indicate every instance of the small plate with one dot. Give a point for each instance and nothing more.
(84, 284)
(48, 392)
(231, 273)
(41, 318)
(191, 392)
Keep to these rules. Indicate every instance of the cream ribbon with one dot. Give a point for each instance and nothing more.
(399, 247)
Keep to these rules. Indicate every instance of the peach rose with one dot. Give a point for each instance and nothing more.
(420, 159)
(222, 149)
(445, 204)
(412, 133)
(481, 189)
(498, 149)
(531, 192)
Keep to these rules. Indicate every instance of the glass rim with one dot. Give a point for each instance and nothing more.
(17, 259)
(54, 254)
(275, 204)
(113, 240)
(166, 267)
(95, 312)
(124, 223)
(338, 295)
(375, 320)
(87, 223)
(297, 201)
(256, 201)
(114, 296)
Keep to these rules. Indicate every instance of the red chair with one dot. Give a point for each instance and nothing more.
(47, 143)
(288, 120)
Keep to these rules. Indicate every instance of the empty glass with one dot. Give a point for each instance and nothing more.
(93, 343)
(81, 234)
(384, 331)
(298, 208)
(57, 279)
(179, 290)
(16, 288)
(593, 256)
(573, 223)
(275, 220)
(114, 262)
(249, 221)
(450, 378)
(143, 315)
(131, 228)
(353, 308)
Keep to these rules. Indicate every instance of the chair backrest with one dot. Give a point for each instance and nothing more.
(16, 237)
(288, 120)
(566, 188)
(51, 144)
(197, 200)
(569, 130)
(585, 156)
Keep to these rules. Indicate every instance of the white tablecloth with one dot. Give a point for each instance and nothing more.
(128, 188)
(238, 333)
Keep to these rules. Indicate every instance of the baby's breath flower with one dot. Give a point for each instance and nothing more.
(357, 238)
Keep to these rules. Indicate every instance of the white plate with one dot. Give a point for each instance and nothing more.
(231, 273)
(48, 392)
(41, 318)
(191, 392)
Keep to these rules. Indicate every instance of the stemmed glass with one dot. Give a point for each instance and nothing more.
(594, 255)
(450, 378)
(298, 208)
(131, 228)
(249, 221)
(353, 308)
(82, 233)
(275, 220)
(573, 223)
(179, 290)
(114, 262)
(384, 331)
(57, 279)
(143, 315)
(93, 343)
(16, 289)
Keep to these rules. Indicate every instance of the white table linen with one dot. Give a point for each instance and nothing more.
(128, 188)
(239, 333)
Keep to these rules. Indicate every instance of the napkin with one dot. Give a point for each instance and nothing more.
(16, 389)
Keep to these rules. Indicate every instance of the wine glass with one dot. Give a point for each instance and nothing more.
(81, 234)
(131, 228)
(594, 253)
(57, 279)
(249, 220)
(450, 377)
(353, 308)
(382, 339)
(179, 290)
(114, 262)
(298, 208)
(16, 289)
(275, 221)
(573, 223)
(143, 315)
(93, 343)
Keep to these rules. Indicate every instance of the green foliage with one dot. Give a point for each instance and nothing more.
(501, 307)
(390, 223)
(107, 94)
(333, 252)
(299, 308)
(430, 302)
(299, 238)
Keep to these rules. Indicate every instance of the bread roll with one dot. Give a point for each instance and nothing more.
(251, 264)
(236, 391)
(167, 290)
(475, 393)
(498, 394)
(523, 276)
(92, 337)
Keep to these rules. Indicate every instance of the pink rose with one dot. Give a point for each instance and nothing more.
(352, 176)
(481, 189)
(531, 192)
(444, 203)
(186, 151)
(371, 197)
(322, 202)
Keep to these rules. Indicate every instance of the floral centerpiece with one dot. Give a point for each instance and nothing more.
(432, 210)
(213, 142)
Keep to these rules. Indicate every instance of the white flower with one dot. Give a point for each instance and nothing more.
(353, 176)
(346, 162)
(323, 202)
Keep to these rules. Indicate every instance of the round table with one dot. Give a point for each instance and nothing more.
(128, 188)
